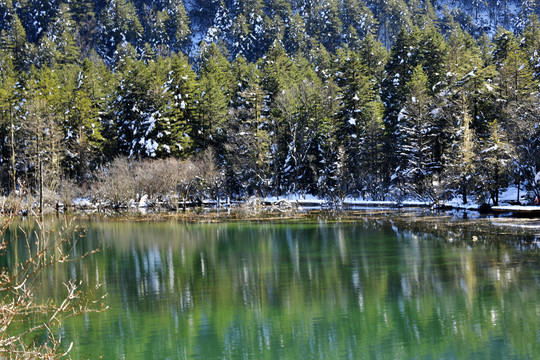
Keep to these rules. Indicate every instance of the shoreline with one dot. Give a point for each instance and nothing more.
(269, 204)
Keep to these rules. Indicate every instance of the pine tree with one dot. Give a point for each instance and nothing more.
(178, 23)
(463, 53)
(355, 13)
(531, 44)
(36, 16)
(42, 131)
(515, 75)
(326, 24)
(82, 127)
(84, 16)
(416, 138)
(214, 96)
(58, 46)
(519, 102)
(359, 129)
(8, 120)
(181, 87)
(281, 8)
(278, 74)
(394, 17)
(460, 157)
(157, 36)
(432, 55)
(399, 68)
(296, 39)
(14, 39)
(374, 56)
(250, 29)
(494, 163)
(118, 23)
(247, 146)
(140, 106)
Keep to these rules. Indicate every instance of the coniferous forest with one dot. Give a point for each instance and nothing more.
(376, 99)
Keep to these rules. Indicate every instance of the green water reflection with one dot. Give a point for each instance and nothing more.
(371, 287)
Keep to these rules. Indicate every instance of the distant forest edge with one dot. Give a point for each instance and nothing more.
(175, 100)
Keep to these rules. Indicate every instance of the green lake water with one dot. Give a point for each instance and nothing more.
(364, 285)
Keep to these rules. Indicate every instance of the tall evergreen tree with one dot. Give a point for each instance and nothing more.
(248, 142)
(143, 126)
(494, 163)
(360, 126)
(84, 16)
(9, 123)
(118, 23)
(181, 107)
(460, 157)
(416, 137)
(178, 23)
(42, 132)
(58, 46)
(14, 38)
(214, 96)
(326, 24)
(279, 73)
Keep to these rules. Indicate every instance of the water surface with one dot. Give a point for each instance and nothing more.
(376, 286)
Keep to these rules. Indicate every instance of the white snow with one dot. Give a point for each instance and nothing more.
(519, 208)
(82, 202)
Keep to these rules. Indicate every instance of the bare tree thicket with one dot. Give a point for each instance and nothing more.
(169, 183)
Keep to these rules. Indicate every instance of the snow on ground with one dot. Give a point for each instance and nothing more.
(517, 208)
(511, 195)
(458, 204)
(299, 198)
(82, 202)
(310, 199)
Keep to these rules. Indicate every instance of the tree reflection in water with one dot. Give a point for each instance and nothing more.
(388, 285)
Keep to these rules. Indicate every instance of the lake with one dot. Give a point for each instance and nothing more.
(366, 284)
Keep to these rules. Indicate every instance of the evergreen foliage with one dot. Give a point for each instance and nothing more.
(373, 99)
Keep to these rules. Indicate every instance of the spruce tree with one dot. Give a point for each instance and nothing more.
(141, 119)
(415, 138)
(359, 128)
(118, 23)
(58, 46)
(9, 123)
(42, 149)
(495, 163)
(248, 142)
(182, 89)
(460, 156)
(214, 95)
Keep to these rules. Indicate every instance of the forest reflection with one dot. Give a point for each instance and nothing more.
(374, 286)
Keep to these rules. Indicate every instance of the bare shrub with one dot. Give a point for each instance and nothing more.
(115, 182)
(164, 181)
(211, 177)
(17, 301)
(68, 191)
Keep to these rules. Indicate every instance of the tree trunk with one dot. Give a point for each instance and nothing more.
(40, 177)
(464, 193)
(13, 169)
(518, 185)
